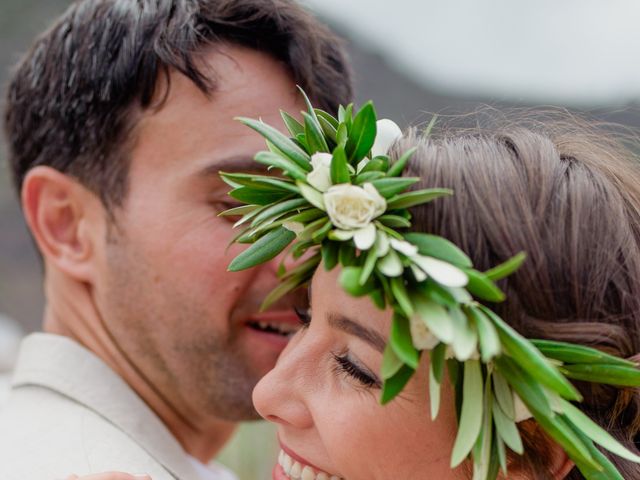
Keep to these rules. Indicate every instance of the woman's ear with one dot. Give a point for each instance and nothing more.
(58, 211)
(560, 464)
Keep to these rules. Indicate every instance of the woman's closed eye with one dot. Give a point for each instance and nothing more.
(346, 366)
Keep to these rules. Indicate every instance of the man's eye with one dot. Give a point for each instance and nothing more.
(304, 314)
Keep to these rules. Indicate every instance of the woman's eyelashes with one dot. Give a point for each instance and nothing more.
(346, 366)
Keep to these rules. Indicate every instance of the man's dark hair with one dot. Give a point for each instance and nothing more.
(72, 100)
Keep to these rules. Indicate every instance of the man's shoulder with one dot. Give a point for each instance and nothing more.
(45, 435)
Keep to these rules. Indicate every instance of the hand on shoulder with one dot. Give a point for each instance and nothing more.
(111, 476)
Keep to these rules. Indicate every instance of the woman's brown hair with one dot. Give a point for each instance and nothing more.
(569, 196)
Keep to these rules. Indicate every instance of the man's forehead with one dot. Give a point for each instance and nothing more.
(233, 164)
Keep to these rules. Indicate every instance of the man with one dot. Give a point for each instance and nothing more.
(119, 119)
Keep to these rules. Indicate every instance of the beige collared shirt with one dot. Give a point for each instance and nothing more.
(68, 412)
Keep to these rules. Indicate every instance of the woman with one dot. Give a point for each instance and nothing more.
(571, 200)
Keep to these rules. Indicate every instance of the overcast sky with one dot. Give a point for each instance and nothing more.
(584, 52)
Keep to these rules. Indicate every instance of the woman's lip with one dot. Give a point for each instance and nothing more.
(297, 457)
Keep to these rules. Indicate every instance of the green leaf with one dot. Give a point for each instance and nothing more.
(347, 254)
(263, 250)
(400, 341)
(242, 210)
(378, 299)
(562, 433)
(394, 221)
(507, 268)
(302, 268)
(321, 233)
(399, 165)
(313, 196)
(530, 359)
(434, 393)
(378, 164)
(258, 197)
(440, 248)
(401, 296)
(313, 228)
(308, 215)
(368, 177)
(280, 141)
(417, 197)
(471, 415)
(437, 358)
(287, 166)
(435, 317)
(489, 340)
(607, 471)
(339, 169)
(330, 255)
(595, 432)
(285, 287)
(621, 376)
(394, 385)
(342, 135)
(504, 395)
(261, 182)
(507, 430)
(465, 338)
(362, 134)
(350, 282)
(391, 363)
(326, 116)
(483, 288)
(314, 135)
(278, 209)
(483, 450)
(388, 187)
(436, 371)
(293, 125)
(572, 353)
(527, 388)
(502, 454)
(300, 248)
(369, 264)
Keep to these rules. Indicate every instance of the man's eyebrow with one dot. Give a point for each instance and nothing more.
(236, 164)
(352, 327)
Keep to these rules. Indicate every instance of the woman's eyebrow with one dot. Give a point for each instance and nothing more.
(352, 327)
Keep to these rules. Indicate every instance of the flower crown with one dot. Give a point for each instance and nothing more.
(342, 198)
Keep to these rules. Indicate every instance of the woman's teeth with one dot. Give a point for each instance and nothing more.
(297, 471)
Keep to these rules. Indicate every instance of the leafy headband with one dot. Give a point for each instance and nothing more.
(342, 199)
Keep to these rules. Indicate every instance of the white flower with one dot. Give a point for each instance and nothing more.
(387, 133)
(351, 207)
(320, 176)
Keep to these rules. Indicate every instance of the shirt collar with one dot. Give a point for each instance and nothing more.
(62, 365)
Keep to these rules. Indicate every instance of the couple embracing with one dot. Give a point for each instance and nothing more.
(473, 297)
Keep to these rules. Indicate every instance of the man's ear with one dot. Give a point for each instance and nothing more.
(61, 215)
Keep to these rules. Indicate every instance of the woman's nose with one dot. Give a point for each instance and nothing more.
(281, 395)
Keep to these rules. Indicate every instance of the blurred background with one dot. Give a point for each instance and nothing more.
(414, 58)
